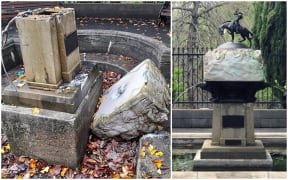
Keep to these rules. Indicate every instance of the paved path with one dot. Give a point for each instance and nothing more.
(230, 175)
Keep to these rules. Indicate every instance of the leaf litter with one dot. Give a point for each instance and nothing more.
(103, 158)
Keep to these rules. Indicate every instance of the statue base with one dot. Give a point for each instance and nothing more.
(232, 158)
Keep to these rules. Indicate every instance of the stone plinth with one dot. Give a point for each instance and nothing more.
(65, 99)
(137, 104)
(54, 136)
(232, 158)
(233, 124)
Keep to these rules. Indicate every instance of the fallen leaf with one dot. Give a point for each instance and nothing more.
(91, 161)
(159, 171)
(157, 163)
(19, 177)
(32, 172)
(145, 143)
(159, 153)
(125, 170)
(35, 110)
(21, 84)
(2, 151)
(21, 76)
(116, 175)
(45, 170)
(26, 176)
(7, 147)
(146, 175)
(63, 172)
(55, 170)
(151, 149)
(142, 152)
(33, 163)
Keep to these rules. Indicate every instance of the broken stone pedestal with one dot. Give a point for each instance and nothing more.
(57, 134)
(137, 104)
(49, 46)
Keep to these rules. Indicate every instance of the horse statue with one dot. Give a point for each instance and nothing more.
(231, 27)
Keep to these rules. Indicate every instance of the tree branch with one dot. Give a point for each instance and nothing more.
(211, 8)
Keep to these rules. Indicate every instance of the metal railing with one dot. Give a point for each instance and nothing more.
(187, 71)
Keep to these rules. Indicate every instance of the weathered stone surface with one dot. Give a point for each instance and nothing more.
(66, 98)
(233, 64)
(135, 105)
(145, 166)
(56, 137)
(135, 45)
(233, 164)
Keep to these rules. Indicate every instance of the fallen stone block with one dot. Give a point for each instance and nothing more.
(137, 104)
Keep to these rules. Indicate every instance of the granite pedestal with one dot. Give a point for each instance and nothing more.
(233, 74)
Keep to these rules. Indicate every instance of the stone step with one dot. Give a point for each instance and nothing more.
(194, 137)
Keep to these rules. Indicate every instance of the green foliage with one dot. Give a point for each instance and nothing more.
(178, 86)
(270, 36)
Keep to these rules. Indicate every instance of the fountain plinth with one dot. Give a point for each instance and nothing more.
(233, 74)
(49, 46)
(63, 91)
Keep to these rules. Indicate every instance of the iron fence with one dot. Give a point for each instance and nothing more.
(188, 72)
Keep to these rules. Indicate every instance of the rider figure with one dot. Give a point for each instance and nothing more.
(239, 16)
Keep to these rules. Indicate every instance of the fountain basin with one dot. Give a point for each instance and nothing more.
(232, 92)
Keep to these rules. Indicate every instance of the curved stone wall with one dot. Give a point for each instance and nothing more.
(129, 44)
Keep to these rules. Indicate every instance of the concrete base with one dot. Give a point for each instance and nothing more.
(59, 99)
(233, 158)
(54, 136)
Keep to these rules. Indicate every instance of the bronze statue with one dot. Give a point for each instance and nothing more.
(235, 27)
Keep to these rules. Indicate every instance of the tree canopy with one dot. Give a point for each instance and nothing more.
(196, 23)
(270, 36)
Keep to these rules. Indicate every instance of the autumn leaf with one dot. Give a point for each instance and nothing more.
(7, 147)
(55, 170)
(2, 151)
(159, 153)
(116, 175)
(157, 163)
(146, 175)
(91, 161)
(63, 172)
(159, 171)
(33, 163)
(35, 110)
(142, 152)
(151, 149)
(145, 143)
(19, 177)
(32, 172)
(45, 170)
